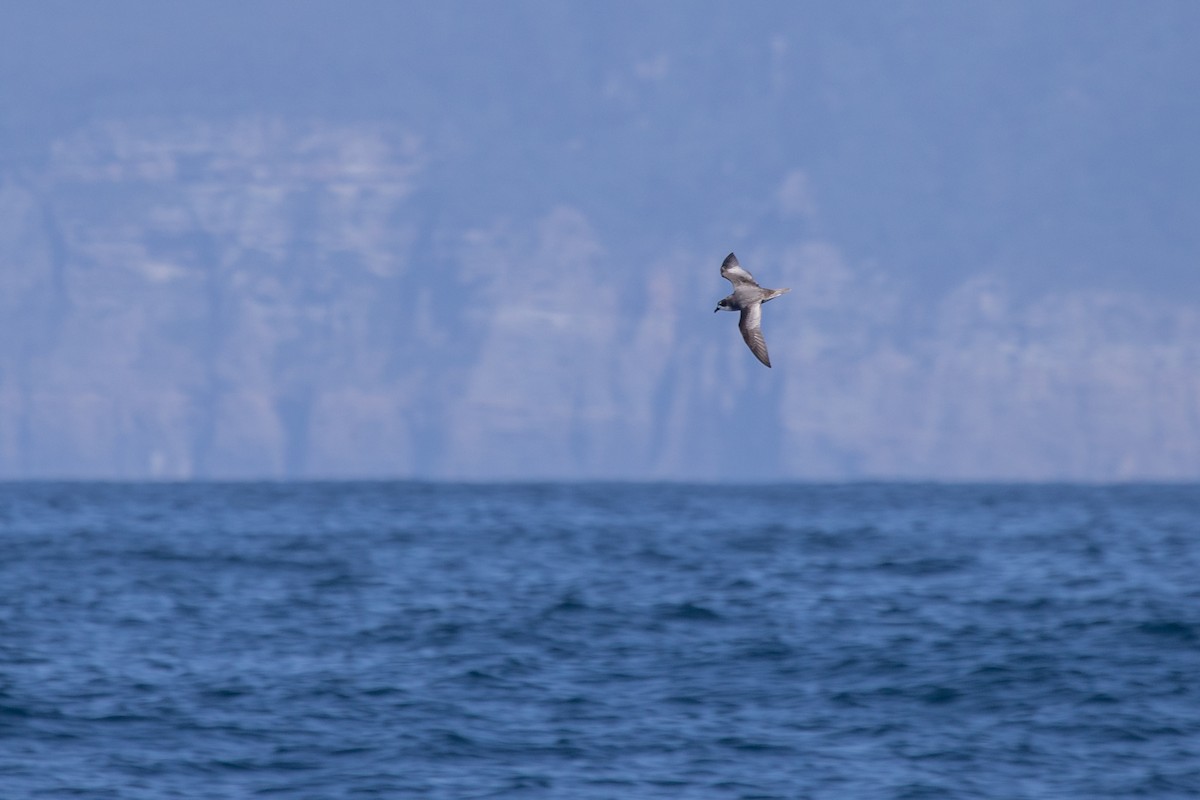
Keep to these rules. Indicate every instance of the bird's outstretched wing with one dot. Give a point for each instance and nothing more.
(750, 325)
(732, 271)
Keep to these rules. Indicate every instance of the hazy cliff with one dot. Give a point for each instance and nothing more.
(260, 298)
(464, 258)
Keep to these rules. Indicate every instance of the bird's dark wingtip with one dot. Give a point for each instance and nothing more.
(730, 261)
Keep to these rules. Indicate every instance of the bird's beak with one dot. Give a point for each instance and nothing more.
(715, 310)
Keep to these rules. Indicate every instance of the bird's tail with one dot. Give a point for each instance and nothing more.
(775, 293)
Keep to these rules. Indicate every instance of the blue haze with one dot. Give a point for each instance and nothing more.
(280, 239)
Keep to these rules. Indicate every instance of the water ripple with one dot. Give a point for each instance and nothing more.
(598, 641)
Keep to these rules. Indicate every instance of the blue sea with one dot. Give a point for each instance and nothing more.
(394, 640)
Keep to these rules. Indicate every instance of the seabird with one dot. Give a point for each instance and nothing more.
(747, 298)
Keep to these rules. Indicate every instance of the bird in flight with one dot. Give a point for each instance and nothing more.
(747, 298)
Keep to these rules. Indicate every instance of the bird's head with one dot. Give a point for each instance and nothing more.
(724, 303)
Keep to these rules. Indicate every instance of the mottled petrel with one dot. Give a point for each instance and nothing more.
(747, 298)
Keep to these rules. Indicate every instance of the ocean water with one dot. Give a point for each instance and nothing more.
(599, 641)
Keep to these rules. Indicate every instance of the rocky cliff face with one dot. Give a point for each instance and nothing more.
(267, 297)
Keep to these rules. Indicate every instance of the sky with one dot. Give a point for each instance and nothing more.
(472, 240)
